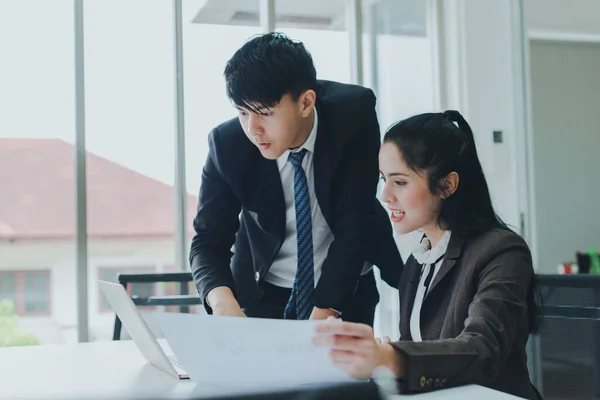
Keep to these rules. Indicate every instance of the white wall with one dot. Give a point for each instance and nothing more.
(566, 102)
(565, 71)
(482, 68)
(405, 84)
(491, 88)
(480, 79)
(580, 16)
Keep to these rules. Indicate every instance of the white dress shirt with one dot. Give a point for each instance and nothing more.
(283, 269)
(426, 256)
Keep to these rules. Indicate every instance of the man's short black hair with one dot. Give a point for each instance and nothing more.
(266, 68)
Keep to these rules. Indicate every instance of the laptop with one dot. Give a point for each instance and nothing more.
(139, 331)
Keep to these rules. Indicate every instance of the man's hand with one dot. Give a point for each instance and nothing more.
(323, 313)
(223, 302)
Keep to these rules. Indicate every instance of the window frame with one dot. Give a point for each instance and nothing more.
(19, 290)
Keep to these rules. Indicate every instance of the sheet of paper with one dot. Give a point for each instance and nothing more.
(248, 351)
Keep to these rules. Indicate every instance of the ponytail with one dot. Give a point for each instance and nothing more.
(463, 125)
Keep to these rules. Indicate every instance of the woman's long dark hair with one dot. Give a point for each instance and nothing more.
(438, 144)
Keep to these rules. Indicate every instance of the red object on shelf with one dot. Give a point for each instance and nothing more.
(568, 268)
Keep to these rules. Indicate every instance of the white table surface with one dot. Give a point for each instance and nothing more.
(117, 370)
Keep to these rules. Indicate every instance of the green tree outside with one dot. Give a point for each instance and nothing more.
(9, 330)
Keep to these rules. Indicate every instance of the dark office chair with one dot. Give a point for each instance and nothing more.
(571, 311)
(183, 299)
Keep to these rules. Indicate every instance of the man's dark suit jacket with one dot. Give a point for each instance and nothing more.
(236, 177)
(474, 320)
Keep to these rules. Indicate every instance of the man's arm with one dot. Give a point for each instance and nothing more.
(354, 213)
(216, 224)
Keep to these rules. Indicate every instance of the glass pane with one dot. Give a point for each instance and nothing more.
(130, 123)
(398, 58)
(206, 103)
(7, 287)
(142, 289)
(37, 175)
(321, 26)
(36, 299)
(398, 67)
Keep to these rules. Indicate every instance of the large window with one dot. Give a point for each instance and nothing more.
(29, 291)
(130, 137)
(37, 175)
(321, 26)
(212, 32)
(130, 124)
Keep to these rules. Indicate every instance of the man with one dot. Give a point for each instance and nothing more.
(300, 164)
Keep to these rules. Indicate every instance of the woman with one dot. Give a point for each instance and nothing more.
(467, 292)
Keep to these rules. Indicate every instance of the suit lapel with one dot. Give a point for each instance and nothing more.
(269, 200)
(324, 160)
(409, 292)
(453, 252)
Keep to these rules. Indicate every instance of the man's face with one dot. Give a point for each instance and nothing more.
(278, 128)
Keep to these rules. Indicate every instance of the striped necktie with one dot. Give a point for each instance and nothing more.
(300, 305)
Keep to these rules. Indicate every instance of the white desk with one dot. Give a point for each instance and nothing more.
(116, 370)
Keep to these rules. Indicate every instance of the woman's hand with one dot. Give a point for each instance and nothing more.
(383, 340)
(354, 348)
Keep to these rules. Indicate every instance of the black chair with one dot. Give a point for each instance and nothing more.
(572, 301)
(183, 300)
(550, 283)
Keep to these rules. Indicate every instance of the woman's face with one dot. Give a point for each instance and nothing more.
(412, 205)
